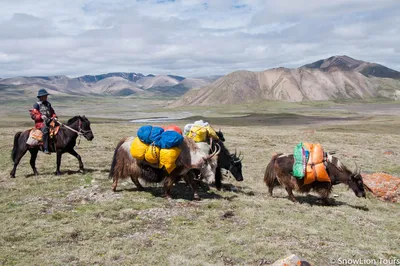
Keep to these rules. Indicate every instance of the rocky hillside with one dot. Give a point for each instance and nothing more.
(349, 64)
(323, 80)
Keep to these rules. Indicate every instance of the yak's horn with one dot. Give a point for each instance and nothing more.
(215, 152)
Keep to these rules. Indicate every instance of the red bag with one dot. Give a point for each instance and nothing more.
(173, 128)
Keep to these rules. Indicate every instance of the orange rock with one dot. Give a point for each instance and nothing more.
(389, 153)
(384, 186)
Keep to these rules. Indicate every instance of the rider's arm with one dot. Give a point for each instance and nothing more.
(35, 113)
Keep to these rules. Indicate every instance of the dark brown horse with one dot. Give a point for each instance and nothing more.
(279, 172)
(64, 141)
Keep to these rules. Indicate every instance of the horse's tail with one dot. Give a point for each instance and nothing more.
(270, 178)
(114, 160)
(15, 147)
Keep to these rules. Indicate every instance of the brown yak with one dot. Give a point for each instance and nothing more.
(279, 172)
(191, 157)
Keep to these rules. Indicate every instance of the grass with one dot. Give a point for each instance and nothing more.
(75, 219)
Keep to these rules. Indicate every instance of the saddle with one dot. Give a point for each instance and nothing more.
(36, 135)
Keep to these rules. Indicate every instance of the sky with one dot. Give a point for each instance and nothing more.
(191, 38)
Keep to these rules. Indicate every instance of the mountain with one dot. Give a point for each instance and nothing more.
(349, 64)
(128, 76)
(118, 83)
(334, 78)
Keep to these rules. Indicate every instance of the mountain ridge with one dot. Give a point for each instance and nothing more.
(337, 77)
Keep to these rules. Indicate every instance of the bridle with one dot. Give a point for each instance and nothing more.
(80, 131)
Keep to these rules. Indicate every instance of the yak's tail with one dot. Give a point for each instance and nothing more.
(114, 160)
(270, 178)
(15, 147)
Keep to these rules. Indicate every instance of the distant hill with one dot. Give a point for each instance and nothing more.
(118, 83)
(349, 64)
(339, 77)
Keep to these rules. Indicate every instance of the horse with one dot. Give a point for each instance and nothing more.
(124, 165)
(279, 172)
(64, 141)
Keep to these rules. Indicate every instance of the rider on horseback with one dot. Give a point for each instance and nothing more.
(43, 113)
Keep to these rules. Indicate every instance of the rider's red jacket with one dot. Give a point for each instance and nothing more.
(36, 113)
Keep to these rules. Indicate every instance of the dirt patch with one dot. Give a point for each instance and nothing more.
(91, 194)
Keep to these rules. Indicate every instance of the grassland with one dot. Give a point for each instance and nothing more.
(75, 218)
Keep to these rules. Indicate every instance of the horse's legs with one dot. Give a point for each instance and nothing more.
(34, 153)
(189, 179)
(77, 156)
(135, 180)
(16, 162)
(59, 154)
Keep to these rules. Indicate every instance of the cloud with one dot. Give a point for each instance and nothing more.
(191, 37)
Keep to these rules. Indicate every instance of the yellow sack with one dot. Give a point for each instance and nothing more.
(211, 132)
(138, 149)
(152, 154)
(168, 158)
(198, 133)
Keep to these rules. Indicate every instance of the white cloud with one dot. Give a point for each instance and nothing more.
(191, 37)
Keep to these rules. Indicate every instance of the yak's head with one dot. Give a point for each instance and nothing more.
(235, 166)
(356, 183)
(342, 174)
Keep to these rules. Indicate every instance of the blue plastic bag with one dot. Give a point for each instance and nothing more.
(169, 139)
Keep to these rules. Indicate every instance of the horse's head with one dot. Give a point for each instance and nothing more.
(83, 126)
(235, 166)
(356, 183)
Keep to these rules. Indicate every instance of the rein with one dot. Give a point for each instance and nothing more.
(70, 128)
(80, 131)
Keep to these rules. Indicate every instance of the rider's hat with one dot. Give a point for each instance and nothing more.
(42, 92)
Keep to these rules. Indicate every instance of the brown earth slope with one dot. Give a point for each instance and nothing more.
(290, 85)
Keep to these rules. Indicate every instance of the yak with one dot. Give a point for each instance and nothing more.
(279, 172)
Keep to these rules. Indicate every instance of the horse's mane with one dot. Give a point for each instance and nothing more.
(73, 119)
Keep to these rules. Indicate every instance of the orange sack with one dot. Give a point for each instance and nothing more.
(173, 128)
(315, 166)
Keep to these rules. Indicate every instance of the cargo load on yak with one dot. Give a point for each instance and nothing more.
(172, 128)
(200, 131)
(309, 163)
(157, 147)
